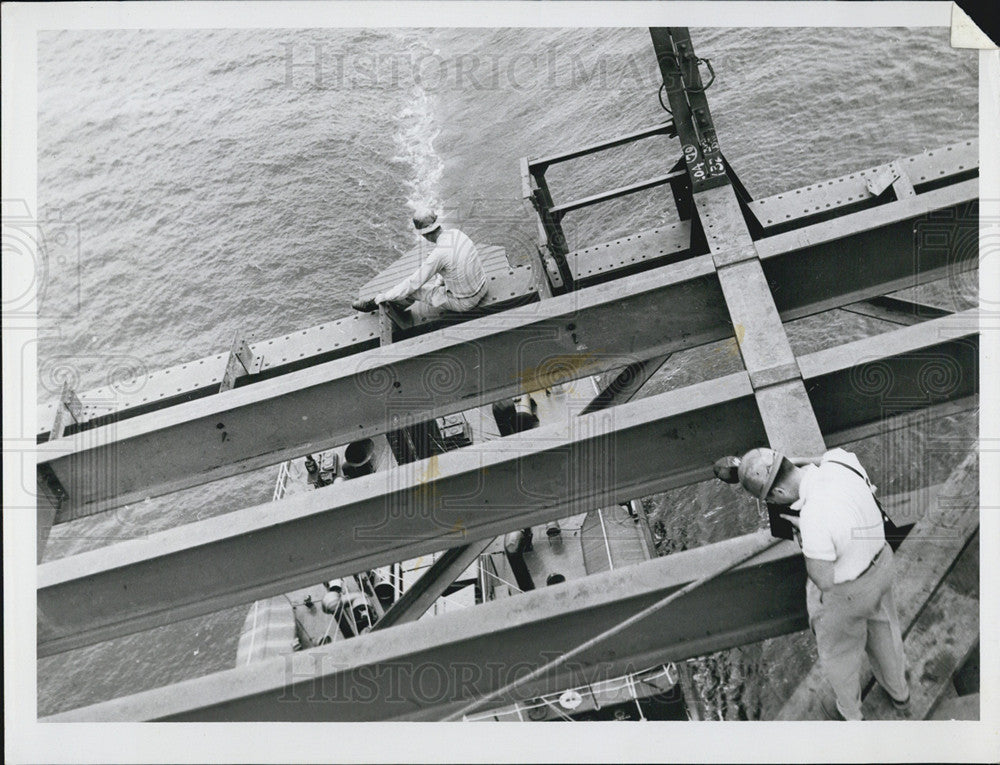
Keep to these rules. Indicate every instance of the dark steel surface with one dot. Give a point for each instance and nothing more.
(534, 477)
(693, 121)
(625, 384)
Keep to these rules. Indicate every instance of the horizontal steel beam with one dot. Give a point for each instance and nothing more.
(666, 128)
(589, 331)
(872, 252)
(621, 191)
(533, 477)
(798, 207)
(143, 392)
(524, 349)
(427, 669)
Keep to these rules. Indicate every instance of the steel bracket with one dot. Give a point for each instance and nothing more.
(69, 411)
(882, 180)
(242, 361)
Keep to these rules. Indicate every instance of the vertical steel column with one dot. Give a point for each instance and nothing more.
(692, 118)
(555, 239)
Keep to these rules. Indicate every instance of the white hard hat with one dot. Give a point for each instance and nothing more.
(758, 469)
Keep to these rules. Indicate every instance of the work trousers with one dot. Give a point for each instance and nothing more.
(439, 296)
(855, 618)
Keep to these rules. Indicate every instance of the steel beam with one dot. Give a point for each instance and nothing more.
(625, 384)
(432, 584)
(666, 128)
(873, 252)
(833, 197)
(808, 270)
(798, 208)
(767, 355)
(428, 669)
(467, 365)
(534, 477)
(593, 330)
(689, 107)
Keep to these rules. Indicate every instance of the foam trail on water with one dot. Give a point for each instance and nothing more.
(415, 146)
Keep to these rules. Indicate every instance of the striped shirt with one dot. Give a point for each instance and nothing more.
(455, 258)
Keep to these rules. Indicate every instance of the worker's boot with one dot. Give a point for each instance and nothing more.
(365, 306)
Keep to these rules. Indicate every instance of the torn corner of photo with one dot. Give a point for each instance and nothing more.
(965, 33)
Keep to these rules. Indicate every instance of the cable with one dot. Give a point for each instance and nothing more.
(620, 627)
(659, 95)
(708, 84)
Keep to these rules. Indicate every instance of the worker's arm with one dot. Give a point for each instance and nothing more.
(821, 572)
(410, 285)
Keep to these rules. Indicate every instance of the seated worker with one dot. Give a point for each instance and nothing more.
(450, 277)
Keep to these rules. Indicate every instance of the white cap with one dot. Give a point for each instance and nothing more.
(425, 221)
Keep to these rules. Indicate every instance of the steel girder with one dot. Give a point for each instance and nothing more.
(445, 502)
(427, 669)
(431, 585)
(592, 330)
(128, 396)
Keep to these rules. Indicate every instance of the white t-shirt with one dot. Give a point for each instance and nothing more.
(839, 519)
(455, 258)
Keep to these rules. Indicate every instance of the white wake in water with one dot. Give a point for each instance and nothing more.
(415, 147)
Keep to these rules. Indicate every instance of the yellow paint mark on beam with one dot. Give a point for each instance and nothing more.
(556, 369)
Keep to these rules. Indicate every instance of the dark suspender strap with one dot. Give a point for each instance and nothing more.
(859, 474)
(887, 524)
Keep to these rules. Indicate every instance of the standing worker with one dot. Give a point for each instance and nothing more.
(450, 277)
(849, 592)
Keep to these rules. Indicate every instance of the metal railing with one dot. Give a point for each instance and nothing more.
(535, 189)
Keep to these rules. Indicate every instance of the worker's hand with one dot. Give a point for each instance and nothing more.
(794, 520)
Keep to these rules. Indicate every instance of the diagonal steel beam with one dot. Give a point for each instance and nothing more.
(471, 364)
(625, 384)
(427, 669)
(592, 330)
(432, 584)
(533, 477)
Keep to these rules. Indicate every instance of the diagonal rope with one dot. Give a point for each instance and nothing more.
(620, 627)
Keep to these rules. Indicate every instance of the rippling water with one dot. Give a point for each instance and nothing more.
(222, 180)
